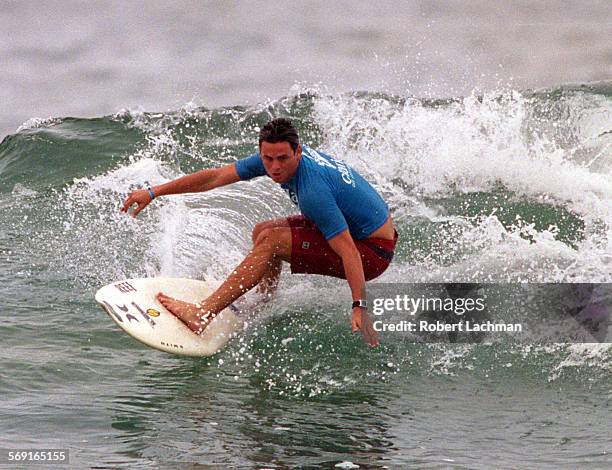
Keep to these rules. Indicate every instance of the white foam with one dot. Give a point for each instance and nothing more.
(596, 355)
(37, 123)
(411, 151)
(346, 464)
(476, 143)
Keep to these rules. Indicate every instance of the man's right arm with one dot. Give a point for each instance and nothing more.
(200, 181)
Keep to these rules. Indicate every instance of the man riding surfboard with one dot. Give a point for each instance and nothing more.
(344, 229)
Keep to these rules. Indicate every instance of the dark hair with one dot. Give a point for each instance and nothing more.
(279, 130)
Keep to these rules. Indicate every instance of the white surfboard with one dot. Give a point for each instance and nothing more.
(131, 303)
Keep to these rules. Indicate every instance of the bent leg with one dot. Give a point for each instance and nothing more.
(272, 245)
(269, 281)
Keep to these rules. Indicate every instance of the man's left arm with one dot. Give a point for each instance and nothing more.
(344, 245)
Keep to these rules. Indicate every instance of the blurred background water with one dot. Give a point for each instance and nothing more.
(73, 58)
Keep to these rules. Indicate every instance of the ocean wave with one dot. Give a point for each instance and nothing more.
(507, 186)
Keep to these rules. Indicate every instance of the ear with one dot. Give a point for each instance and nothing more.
(298, 151)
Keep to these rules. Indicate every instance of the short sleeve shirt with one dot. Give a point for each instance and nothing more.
(329, 192)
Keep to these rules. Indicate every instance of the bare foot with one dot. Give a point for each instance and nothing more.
(190, 314)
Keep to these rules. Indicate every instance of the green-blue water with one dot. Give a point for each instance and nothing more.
(503, 187)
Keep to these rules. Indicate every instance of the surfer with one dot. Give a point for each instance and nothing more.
(344, 230)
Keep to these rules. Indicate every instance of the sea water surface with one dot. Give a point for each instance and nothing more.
(510, 182)
(507, 186)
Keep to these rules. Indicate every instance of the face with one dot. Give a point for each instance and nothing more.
(279, 160)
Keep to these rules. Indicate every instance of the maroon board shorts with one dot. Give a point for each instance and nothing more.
(311, 253)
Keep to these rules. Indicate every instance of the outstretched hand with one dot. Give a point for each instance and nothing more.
(362, 321)
(141, 197)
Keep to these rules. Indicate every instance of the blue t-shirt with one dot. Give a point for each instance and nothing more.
(329, 192)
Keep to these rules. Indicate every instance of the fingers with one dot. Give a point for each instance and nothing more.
(128, 203)
(355, 323)
(370, 335)
(140, 207)
(138, 198)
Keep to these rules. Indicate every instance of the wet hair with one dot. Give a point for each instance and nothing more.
(279, 130)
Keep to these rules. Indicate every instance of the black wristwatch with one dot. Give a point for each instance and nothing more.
(360, 303)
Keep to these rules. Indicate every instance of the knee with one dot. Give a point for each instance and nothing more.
(273, 241)
(257, 230)
(263, 238)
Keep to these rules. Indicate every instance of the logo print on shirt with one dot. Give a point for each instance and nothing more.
(293, 196)
(340, 166)
(345, 171)
(317, 157)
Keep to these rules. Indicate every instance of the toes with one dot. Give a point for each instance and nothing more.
(163, 298)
